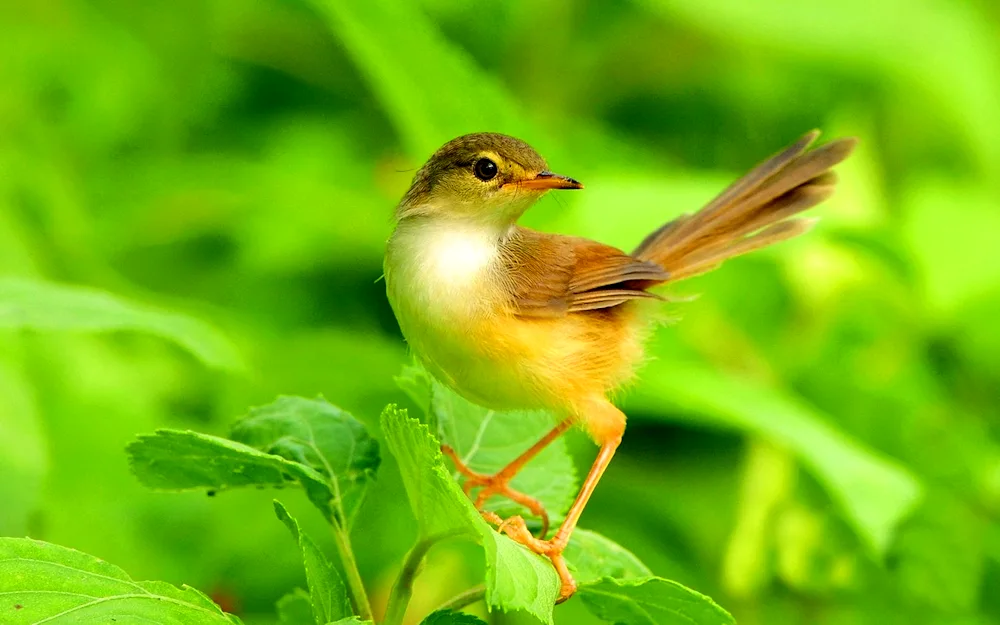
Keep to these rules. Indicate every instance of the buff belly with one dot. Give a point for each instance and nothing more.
(451, 308)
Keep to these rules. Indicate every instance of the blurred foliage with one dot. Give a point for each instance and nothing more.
(816, 441)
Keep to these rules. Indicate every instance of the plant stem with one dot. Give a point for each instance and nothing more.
(402, 589)
(342, 538)
(463, 599)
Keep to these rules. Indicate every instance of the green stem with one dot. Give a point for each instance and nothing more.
(342, 538)
(463, 599)
(402, 589)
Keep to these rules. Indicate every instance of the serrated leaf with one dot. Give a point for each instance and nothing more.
(183, 460)
(321, 436)
(418, 384)
(487, 440)
(36, 305)
(451, 617)
(41, 581)
(516, 579)
(308, 441)
(874, 493)
(327, 593)
(591, 557)
(651, 601)
(295, 608)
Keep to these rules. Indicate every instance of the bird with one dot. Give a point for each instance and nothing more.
(514, 318)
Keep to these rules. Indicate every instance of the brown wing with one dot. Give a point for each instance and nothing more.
(552, 275)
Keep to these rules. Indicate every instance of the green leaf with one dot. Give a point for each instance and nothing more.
(36, 305)
(294, 439)
(53, 583)
(326, 590)
(651, 601)
(592, 557)
(25, 458)
(423, 82)
(181, 460)
(295, 608)
(487, 440)
(516, 579)
(419, 385)
(321, 436)
(351, 620)
(451, 617)
(874, 493)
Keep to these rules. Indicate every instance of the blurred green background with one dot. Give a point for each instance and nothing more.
(815, 442)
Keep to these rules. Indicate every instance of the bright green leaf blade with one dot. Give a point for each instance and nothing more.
(25, 457)
(321, 436)
(418, 384)
(516, 579)
(35, 305)
(326, 590)
(592, 557)
(295, 608)
(60, 585)
(487, 440)
(874, 493)
(323, 448)
(651, 601)
(431, 90)
(451, 617)
(179, 460)
(351, 620)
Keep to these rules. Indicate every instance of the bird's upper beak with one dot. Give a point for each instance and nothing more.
(545, 180)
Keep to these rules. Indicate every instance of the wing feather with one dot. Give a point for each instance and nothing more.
(554, 275)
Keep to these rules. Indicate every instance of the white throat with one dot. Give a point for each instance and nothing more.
(456, 255)
(443, 273)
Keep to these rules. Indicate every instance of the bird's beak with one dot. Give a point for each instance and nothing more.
(545, 180)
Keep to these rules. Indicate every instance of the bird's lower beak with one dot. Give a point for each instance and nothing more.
(545, 180)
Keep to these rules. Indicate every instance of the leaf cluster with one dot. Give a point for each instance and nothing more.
(327, 452)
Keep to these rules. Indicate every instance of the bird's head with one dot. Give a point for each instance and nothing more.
(482, 177)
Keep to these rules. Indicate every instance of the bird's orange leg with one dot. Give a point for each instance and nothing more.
(610, 432)
(499, 482)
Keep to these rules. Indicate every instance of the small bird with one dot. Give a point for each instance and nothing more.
(513, 318)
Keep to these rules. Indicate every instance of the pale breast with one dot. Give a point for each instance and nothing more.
(443, 286)
(442, 275)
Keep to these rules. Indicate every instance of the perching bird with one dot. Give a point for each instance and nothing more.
(512, 318)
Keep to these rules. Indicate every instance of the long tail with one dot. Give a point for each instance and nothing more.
(752, 213)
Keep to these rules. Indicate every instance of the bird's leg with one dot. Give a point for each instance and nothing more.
(553, 548)
(499, 482)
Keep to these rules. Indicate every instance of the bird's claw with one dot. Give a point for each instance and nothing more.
(517, 530)
(492, 517)
(496, 484)
(514, 526)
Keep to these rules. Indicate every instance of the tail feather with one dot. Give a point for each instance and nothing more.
(752, 213)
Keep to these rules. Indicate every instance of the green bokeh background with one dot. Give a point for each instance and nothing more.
(238, 161)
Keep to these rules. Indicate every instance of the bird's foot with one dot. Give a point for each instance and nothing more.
(496, 484)
(552, 549)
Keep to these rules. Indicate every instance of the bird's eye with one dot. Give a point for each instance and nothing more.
(485, 169)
